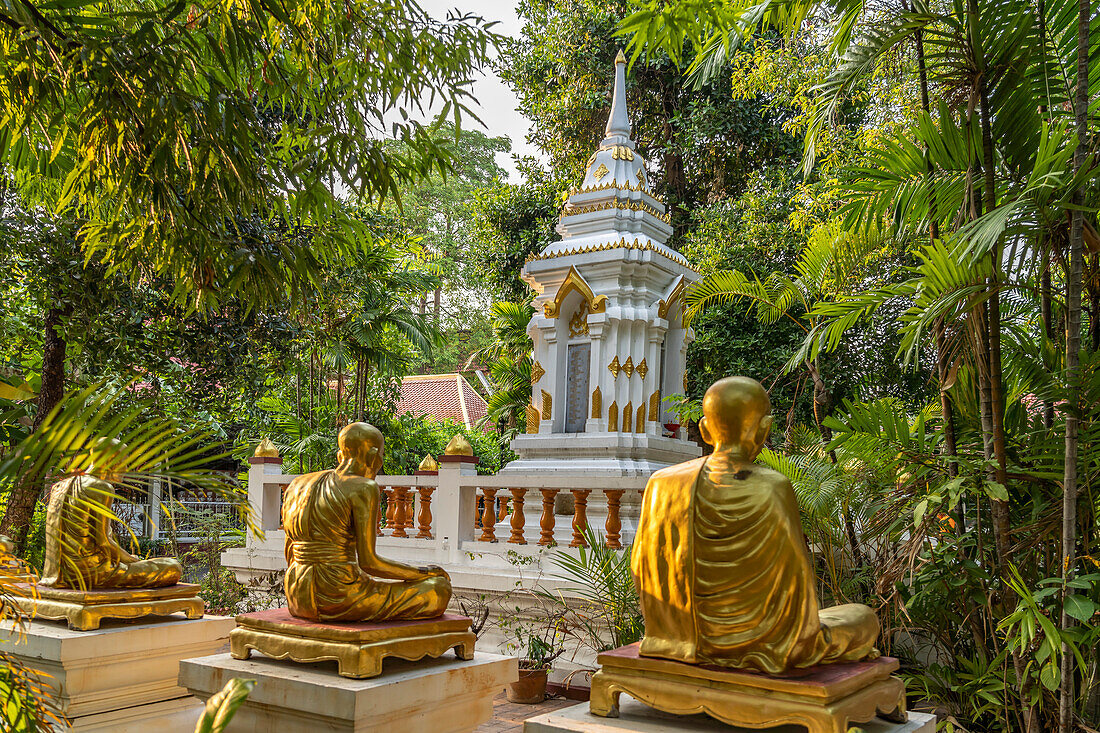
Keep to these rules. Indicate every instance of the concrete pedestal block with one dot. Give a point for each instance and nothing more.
(634, 717)
(122, 677)
(444, 695)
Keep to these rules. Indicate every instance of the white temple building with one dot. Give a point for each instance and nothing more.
(608, 333)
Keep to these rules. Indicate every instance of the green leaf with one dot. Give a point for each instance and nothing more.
(996, 491)
(221, 708)
(1050, 675)
(1080, 607)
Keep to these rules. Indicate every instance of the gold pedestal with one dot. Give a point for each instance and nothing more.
(85, 609)
(358, 648)
(824, 699)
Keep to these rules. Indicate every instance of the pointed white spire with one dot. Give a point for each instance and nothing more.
(618, 124)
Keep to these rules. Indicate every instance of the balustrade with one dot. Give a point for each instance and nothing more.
(518, 519)
(426, 507)
(613, 525)
(580, 516)
(401, 504)
(546, 522)
(390, 507)
(425, 517)
(488, 517)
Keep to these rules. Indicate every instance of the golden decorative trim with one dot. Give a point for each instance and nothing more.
(642, 368)
(612, 186)
(620, 244)
(642, 176)
(547, 406)
(619, 152)
(537, 372)
(628, 367)
(613, 417)
(600, 172)
(578, 324)
(597, 403)
(639, 422)
(574, 281)
(614, 367)
(573, 210)
(628, 417)
(666, 303)
(532, 420)
(655, 406)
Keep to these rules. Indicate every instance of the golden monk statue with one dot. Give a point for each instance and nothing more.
(333, 571)
(82, 551)
(720, 561)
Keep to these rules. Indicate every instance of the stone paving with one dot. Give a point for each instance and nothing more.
(508, 717)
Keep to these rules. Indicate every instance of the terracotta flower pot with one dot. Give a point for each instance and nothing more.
(530, 688)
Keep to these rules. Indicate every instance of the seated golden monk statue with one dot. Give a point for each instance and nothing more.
(333, 571)
(720, 560)
(82, 551)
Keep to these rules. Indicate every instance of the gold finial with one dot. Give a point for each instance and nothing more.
(428, 464)
(459, 446)
(266, 449)
(621, 57)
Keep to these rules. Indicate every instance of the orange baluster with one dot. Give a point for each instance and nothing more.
(425, 512)
(389, 507)
(546, 537)
(489, 517)
(399, 511)
(614, 524)
(517, 517)
(580, 516)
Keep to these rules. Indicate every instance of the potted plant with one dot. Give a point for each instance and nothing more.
(541, 641)
(534, 667)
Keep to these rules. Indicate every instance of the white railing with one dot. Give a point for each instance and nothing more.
(458, 519)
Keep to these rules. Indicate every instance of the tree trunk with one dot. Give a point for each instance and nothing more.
(1046, 310)
(24, 494)
(1001, 518)
(1073, 370)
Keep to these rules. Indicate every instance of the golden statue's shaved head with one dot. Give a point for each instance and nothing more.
(735, 409)
(357, 439)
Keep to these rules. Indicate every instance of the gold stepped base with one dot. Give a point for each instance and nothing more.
(824, 699)
(358, 648)
(84, 610)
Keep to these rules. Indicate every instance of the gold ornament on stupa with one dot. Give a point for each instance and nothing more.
(428, 464)
(459, 446)
(335, 576)
(266, 449)
(728, 594)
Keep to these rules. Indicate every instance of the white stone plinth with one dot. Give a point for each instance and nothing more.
(444, 695)
(634, 717)
(121, 677)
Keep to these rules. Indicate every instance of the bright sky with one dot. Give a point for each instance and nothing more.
(497, 102)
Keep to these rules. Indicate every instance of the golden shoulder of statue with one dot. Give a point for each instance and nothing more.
(82, 551)
(719, 558)
(333, 571)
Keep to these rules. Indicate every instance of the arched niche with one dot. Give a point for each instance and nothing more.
(574, 362)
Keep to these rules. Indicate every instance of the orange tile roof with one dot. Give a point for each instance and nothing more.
(441, 396)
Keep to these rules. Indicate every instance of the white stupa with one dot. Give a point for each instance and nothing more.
(608, 333)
